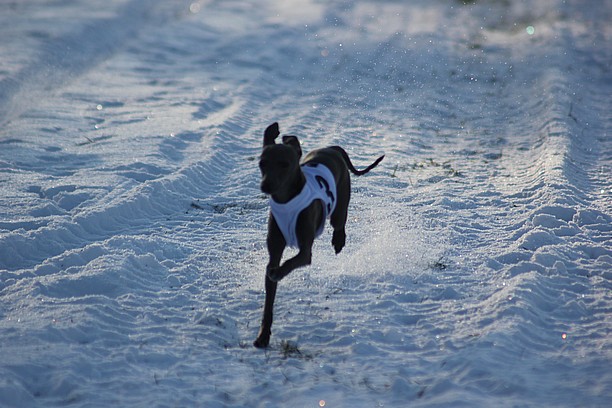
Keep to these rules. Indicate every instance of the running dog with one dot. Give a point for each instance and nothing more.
(302, 196)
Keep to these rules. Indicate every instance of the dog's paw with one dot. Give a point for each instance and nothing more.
(262, 340)
(261, 343)
(338, 240)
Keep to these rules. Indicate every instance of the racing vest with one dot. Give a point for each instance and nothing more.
(320, 185)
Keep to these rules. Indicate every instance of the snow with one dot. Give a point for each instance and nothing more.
(477, 270)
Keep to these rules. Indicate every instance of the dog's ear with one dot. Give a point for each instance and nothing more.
(271, 134)
(294, 143)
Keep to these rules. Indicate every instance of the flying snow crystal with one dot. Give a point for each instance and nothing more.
(194, 8)
(530, 30)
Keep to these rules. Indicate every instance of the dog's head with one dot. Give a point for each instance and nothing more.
(278, 163)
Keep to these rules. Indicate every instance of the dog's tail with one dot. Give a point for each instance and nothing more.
(350, 166)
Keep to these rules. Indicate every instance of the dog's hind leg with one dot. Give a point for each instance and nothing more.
(339, 216)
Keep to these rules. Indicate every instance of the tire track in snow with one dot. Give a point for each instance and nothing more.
(135, 209)
(62, 59)
(102, 279)
(547, 285)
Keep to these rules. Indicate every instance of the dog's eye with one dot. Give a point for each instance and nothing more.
(283, 165)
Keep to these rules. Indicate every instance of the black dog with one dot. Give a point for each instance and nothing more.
(302, 197)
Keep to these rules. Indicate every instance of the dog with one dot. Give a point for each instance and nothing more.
(302, 196)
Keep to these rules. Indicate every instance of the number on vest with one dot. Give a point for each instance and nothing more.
(323, 184)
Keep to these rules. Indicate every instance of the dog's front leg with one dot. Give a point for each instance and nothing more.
(303, 258)
(276, 246)
(263, 338)
(305, 232)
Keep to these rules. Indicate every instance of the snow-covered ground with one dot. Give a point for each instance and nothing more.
(478, 267)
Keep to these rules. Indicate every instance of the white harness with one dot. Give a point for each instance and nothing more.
(320, 185)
